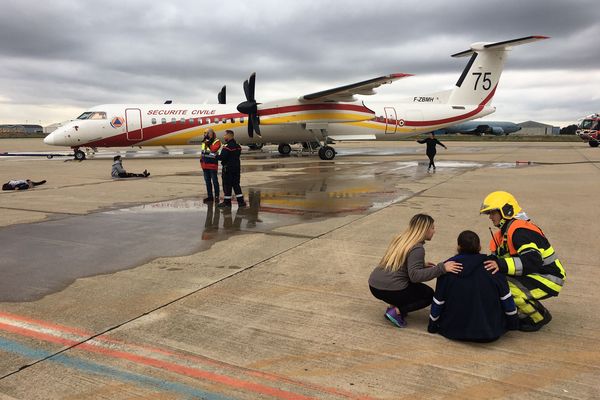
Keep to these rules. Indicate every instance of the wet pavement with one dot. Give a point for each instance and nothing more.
(47, 256)
(276, 305)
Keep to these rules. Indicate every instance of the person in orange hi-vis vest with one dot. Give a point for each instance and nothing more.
(525, 256)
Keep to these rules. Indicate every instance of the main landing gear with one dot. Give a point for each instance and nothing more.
(284, 149)
(326, 153)
(255, 146)
(79, 155)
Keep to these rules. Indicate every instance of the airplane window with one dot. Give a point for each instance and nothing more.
(85, 115)
(232, 120)
(153, 121)
(173, 120)
(98, 115)
(163, 121)
(208, 120)
(182, 120)
(224, 120)
(241, 120)
(216, 120)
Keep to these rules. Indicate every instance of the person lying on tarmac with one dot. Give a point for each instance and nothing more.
(21, 184)
(473, 305)
(119, 172)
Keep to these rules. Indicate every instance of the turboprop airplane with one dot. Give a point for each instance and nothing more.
(316, 117)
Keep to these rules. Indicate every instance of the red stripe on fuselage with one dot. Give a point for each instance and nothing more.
(315, 107)
(155, 131)
(442, 121)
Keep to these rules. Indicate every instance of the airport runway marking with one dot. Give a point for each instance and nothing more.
(148, 356)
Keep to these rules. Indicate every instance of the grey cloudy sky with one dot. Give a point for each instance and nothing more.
(60, 57)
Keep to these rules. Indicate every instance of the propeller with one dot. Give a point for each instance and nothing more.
(249, 107)
(222, 96)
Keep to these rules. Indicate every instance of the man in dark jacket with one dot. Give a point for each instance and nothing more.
(431, 142)
(474, 304)
(230, 162)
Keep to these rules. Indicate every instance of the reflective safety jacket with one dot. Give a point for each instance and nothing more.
(208, 157)
(524, 252)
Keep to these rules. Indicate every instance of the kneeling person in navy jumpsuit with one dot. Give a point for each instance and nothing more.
(230, 162)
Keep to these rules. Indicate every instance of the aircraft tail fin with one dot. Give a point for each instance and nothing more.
(478, 81)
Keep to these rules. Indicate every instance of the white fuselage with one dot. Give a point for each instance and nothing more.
(118, 125)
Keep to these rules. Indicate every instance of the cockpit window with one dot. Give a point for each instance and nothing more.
(93, 115)
(586, 124)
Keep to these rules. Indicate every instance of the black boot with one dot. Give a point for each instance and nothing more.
(225, 204)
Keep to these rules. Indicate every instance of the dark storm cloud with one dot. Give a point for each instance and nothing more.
(83, 53)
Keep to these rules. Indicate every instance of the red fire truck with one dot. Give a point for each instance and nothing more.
(589, 129)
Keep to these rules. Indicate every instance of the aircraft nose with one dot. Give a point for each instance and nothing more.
(49, 139)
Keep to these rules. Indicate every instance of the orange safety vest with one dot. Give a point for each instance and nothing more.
(498, 238)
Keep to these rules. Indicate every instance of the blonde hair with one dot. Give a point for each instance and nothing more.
(401, 245)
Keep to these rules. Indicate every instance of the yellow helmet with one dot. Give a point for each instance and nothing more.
(501, 201)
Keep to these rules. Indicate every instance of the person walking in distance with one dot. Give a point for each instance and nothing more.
(431, 142)
(230, 163)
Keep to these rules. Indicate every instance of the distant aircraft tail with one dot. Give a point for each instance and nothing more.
(478, 81)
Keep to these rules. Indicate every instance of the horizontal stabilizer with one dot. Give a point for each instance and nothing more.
(480, 46)
(346, 93)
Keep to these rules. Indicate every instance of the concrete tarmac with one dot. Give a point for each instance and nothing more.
(116, 289)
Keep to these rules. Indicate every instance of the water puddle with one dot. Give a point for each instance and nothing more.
(45, 257)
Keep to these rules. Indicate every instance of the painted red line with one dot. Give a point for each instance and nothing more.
(196, 358)
(45, 324)
(192, 372)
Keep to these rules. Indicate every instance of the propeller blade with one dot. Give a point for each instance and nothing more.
(255, 123)
(250, 127)
(247, 90)
(249, 107)
(222, 97)
(251, 84)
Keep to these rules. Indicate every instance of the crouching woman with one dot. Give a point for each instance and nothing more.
(397, 280)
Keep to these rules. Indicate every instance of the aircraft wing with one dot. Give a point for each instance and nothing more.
(346, 93)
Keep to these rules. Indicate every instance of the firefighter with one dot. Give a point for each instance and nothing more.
(525, 255)
(208, 161)
(230, 163)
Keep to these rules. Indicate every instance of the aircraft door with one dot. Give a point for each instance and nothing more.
(391, 120)
(133, 123)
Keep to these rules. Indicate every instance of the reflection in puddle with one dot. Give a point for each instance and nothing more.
(46, 257)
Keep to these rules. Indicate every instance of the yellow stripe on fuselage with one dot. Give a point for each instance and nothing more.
(378, 126)
(312, 117)
(183, 137)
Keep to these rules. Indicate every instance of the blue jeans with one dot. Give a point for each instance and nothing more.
(211, 179)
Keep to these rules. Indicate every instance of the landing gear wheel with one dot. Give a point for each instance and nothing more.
(79, 155)
(284, 149)
(256, 146)
(593, 143)
(326, 153)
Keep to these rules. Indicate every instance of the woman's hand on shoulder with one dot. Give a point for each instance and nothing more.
(452, 266)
